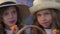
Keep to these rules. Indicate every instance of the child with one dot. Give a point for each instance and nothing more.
(10, 16)
(46, 16)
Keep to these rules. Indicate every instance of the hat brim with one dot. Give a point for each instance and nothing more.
(23, 10)
(35, 8)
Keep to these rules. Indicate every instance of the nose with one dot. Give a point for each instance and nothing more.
(11, 16)
(43, 18)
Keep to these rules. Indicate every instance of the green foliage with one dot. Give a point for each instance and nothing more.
(31, 0)
(58, 0)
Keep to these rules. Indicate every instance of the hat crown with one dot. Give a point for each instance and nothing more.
(2, 1)
(36, 2)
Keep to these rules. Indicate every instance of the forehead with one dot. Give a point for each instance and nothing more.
(43, 11)
(9, 9)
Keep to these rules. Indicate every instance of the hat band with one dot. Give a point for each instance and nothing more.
(7, 3)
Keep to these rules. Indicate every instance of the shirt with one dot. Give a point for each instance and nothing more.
(48, 31)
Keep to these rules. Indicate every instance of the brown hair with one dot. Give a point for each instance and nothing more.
(18, 17)
(22, 13)
(55, 19)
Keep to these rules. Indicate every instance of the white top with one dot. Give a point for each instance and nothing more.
(48, 31)
(7, 31)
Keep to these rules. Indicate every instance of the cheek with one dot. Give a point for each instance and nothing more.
(49, 18)
(15, 16)
(5, 19)
(39, 19)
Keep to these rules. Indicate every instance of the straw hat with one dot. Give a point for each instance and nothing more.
(24, 10)
(43, 4)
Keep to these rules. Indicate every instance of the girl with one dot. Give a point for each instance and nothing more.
(10, 17)
(46, 16)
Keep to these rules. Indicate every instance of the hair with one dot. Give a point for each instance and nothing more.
(18, 23)
(21, 15)
(55, 19)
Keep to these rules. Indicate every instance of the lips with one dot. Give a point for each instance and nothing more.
(45, 23)
(12, 21)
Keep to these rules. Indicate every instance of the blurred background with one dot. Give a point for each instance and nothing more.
(25, 2)
(29, 3)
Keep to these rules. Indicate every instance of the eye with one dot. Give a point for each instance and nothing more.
(14, 12)
(47, 14)
(6, 14)
(38, 14)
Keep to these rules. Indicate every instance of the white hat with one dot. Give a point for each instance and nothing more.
(43, 4)
(4, 1)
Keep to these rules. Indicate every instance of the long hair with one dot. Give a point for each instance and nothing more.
(18, 23)
(55, 19)
(21, 15)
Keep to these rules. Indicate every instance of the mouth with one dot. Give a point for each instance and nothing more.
(12, 21)
(45, 23)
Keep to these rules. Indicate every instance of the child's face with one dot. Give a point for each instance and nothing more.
(10, 16)
(44, 18)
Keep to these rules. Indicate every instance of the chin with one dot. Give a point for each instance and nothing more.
(12, 24)
(45, 26)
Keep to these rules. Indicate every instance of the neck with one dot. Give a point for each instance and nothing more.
(48, 27)
(7, 27)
